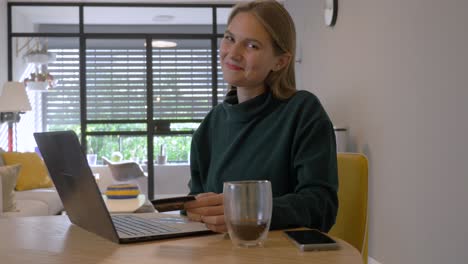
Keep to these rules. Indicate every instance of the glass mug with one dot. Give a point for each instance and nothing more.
(247, 211)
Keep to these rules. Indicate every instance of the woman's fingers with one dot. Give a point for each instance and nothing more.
(213, 220)
(208, 210)
(215, 223)
(204, 200)
(193, 216)
(201, 195)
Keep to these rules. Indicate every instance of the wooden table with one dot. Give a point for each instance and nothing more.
(53, 239)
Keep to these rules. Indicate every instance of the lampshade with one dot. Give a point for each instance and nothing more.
(13, 98)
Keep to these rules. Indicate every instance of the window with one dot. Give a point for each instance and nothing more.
(61, 105)
(116, 90)
(116, 79)
(182, 83)
(116, 86)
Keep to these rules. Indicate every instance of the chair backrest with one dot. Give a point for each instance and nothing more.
(351, 221)
(125, 170)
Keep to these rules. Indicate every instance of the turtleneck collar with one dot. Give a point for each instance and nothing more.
(249, 109)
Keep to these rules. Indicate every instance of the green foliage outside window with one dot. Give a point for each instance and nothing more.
(132, 147)
(177, 147)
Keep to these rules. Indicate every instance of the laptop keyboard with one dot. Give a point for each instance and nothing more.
(137, 226)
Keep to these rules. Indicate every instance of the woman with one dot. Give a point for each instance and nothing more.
(265, 129)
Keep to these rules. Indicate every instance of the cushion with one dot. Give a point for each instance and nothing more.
(47, 196)
(28, 208)
(8, 176)
(33, 173)
(2, 163)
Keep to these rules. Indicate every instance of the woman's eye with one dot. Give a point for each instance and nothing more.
(229, 38)
(252, 46)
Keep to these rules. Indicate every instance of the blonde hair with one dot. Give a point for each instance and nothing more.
(280, 26)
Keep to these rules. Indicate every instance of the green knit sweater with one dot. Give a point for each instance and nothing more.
(289, 142)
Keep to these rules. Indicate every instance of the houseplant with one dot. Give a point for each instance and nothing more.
(40, 81)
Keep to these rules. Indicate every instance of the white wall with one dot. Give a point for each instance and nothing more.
(25, 140)
(23, 134)
(395, 72)
(3, 63)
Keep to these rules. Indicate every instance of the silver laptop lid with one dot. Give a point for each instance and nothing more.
(75, 183)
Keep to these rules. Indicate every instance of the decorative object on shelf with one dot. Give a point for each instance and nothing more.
(40, 80)
(127, 171)
(341, 135)
(122, 191)
(330, 12)
(92, 159)
(162, 158)
(35, 51)
(38, 58)
(13, 102)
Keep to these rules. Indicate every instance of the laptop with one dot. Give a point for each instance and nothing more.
(85, 206)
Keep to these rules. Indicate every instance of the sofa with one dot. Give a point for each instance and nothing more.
(27, 201)
(37, 202)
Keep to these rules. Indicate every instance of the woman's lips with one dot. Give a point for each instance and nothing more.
(233, 67)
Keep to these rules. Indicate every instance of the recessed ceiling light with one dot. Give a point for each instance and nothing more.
(163, 18)
(163, 44)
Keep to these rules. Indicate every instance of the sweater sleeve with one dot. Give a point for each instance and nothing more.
(195, 183)
(314, 202)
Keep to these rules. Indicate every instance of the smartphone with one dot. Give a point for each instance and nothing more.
(171, 204)
(311, 239)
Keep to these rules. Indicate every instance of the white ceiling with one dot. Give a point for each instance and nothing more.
(129, 16)
(139, 1)
(119, 15)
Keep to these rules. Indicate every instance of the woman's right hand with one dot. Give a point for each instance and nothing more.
(208, 208)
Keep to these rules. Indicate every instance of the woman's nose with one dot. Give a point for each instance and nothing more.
(235, 52)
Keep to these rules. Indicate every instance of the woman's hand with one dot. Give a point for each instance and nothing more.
(208, 208)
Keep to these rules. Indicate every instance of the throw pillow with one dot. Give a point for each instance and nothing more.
(2, 163)
(33, 173)
(8, 175)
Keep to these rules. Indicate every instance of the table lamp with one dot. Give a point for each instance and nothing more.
(13, 102)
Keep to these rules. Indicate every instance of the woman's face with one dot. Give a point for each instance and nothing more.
(247, 53)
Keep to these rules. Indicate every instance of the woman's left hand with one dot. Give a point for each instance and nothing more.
(210, 209)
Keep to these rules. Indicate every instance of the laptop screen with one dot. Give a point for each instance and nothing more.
(74, 182)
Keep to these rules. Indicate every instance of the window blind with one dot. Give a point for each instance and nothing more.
(61, 105)
(182, 83)
(116, 85)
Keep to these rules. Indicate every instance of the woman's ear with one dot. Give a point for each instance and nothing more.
(282, 61)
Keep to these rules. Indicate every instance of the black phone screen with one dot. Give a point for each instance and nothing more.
(310, 237)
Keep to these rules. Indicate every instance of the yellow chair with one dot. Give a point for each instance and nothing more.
(351, 221)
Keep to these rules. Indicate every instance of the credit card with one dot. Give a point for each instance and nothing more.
(172, 203)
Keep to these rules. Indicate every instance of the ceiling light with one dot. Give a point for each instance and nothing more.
(163, 44)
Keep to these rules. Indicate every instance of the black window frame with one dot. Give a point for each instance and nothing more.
(151, 124)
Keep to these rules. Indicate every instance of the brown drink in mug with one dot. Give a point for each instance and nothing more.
(247, 211)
